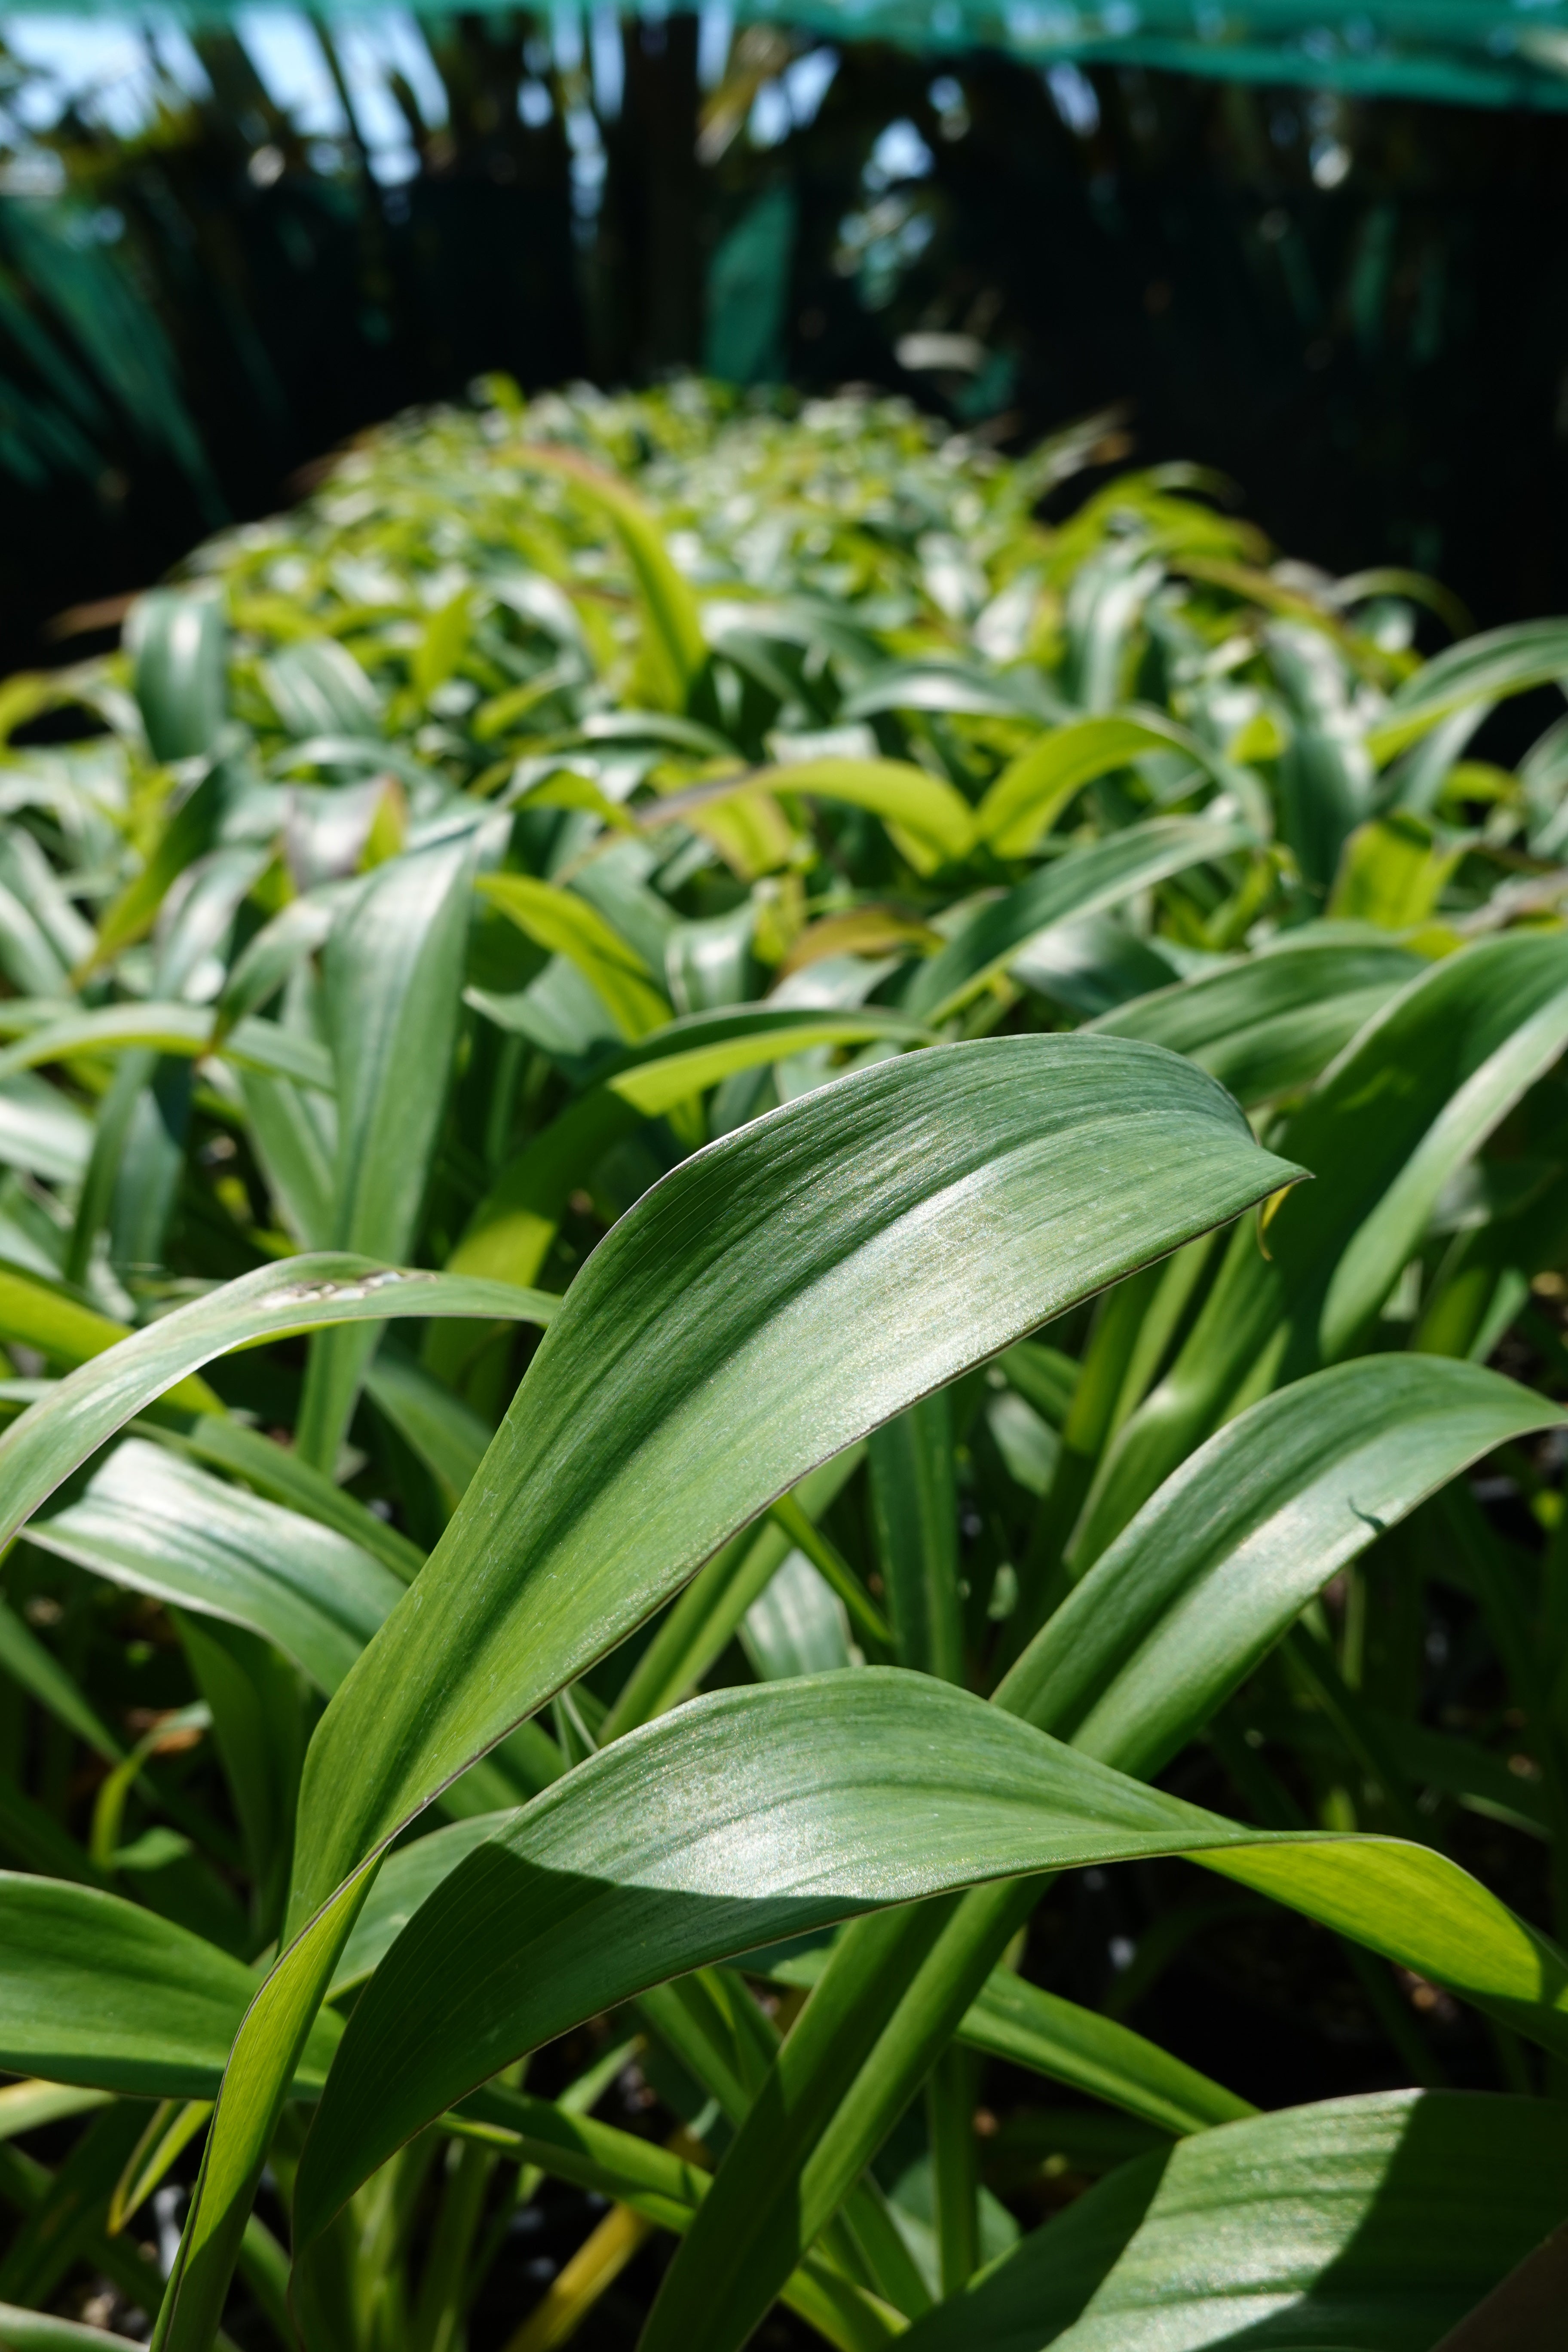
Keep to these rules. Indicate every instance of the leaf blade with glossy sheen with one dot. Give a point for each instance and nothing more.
(1274, 1021)
(98, 1991)
(53, 1437)
(950, 1201)
(1229, 1496)
(393, 973)
(1220, 1560)
(1385, 1243)
(508, 1235)
(931, 1198)
(1360, 1127)
(1481, 668)
(1375, 2222)
(154, 1523)
(756, 1814)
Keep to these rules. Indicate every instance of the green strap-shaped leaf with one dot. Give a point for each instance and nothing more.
(1031, 792)
(1011, 2018)
(1390, 1235)
(1326, 781)
(24, 1657)
(1393, 871)
(751, 1815)
(797, 1625)
(157, 1525)
(28, 955)
(696, 1052)
(42, 1132)
(1383, 1102)
(674, 649)
(931, 823)
(40, 2331)
(1264, 1489)
(1024, 2025)
(447, 1436)
(273, 2039)
(566, 924)
(392, 974)
(1477, 669)
(1276, 1019)
(700, 1623)
(187, 834)
(293, 1150)
(1371, 2222)
(914, 1500)
(178, 641)
(711, 1352)
(509, 1233)
(263, 965)
(61, 1329)
(948, 686)
(53, 1437)
(665, 2189)
(98, 1991)
(1234, 1543)
(1083, 882)
(185, 1030)
(724, 2042)
(277, 1472)
(1021, 2024)
(401, 1884)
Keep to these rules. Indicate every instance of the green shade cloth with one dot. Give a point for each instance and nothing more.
(1463, 54)
(1460, 52)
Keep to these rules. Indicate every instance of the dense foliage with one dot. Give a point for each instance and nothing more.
(752, 1212)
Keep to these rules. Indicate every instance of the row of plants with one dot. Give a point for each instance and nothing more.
(782, 1270)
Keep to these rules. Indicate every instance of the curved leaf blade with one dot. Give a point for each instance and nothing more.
(564, 924)
(1263, 1486)
(393, 976)
(1477, 669)
(675, 647)
(1223, 1558)
(154, 1523)
(1374, 2221)
(1031, 792)
(1083, 882)
(507, 1238)
(708, 1355)
(1275, 1020)
(98, 1991)
(756, 1814)
(948, 1200)
(184, 1030)
(53, 1437)
(1357, 1129)
(1381, 1247)
(930, 823)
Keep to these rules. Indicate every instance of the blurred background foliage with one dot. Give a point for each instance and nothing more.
(223, 249)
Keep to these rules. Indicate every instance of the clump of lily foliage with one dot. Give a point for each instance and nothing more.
(1014, 1063)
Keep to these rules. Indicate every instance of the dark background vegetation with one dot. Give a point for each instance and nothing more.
(1355, 309)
